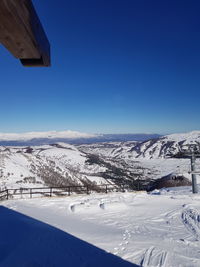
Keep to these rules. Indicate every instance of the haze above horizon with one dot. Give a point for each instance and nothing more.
(117, 67)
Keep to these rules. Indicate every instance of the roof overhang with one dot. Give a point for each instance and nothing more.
(22, 33)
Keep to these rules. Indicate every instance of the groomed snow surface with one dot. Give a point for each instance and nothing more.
(107, 230)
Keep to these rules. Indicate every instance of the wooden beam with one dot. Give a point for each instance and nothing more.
(22, 33)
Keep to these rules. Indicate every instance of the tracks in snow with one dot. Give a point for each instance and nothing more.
(154, 257)
(159, 241)
(123, 245)
(191, 220)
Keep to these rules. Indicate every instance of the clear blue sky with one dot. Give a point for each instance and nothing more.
(123, 66)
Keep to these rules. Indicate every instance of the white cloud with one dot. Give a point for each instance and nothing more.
(51, 134)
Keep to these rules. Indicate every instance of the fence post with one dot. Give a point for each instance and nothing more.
(50, 191)
(69, 190)
(138, 185)
(30, 192)
(106, 189)
(7, 194)
(123, 188)
(87, 189)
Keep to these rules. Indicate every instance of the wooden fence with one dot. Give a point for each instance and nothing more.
(60, 191)
(4, 194)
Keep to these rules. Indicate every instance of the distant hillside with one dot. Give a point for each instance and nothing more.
(155, 148)
(51, 165)
(61, 164)
(161, 147)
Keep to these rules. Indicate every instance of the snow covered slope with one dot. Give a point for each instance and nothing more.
(159, 148)
(55, 165)
(148, 159)
(161, 229)
(109, 149)
(114, 162)
(150, 149)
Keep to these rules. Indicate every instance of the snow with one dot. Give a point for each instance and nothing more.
(190, 137)
(15, 167)
(73, 155)
(158, 229)
(18, 167)
(162, 167)
(108, 149)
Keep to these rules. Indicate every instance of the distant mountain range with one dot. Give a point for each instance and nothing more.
(93, 160)
(154, 148)
(163, 146)
(70, 137)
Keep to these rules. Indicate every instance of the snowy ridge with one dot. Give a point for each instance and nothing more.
(151, 155)
(151, 149)
(56, 165)
(62, 164)
(109, 149)
(188, 137)
(161, 147)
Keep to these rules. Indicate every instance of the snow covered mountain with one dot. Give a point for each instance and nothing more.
(161, 147)
(63, 164)
(60, 165)
(148, 159)
(52, 165)
(150, 149)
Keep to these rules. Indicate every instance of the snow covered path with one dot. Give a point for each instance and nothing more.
(147, 230)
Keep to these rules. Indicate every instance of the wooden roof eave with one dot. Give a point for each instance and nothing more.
(22, 33)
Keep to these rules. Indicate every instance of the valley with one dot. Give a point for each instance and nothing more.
(135, 163)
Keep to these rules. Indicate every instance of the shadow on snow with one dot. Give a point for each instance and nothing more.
(26, 242)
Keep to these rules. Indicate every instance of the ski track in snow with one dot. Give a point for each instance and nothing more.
(162, 227)
(191, 220)
(158, 227)
(154, 257)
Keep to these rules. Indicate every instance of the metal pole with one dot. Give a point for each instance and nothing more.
(194, 179)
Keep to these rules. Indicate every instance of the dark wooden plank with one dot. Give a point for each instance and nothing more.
(22, 33)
